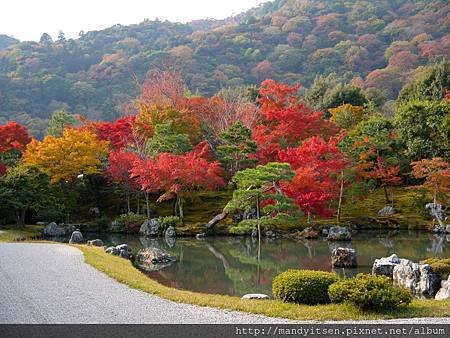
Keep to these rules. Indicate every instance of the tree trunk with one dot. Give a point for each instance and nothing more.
(147, 205)
(340, 197)
(216, 219)
(128, 202)
(258, 222)
(22, 217)
(138, 208)
(180, 206)
(386, 195)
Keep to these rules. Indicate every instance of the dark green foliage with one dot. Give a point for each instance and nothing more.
(430, 83)
(261, 184)
(23, 189)
(424, 128)
(441, 266)
(303, 286)
(342, 94)
(237, 146)
(165, 140)
(369, 292)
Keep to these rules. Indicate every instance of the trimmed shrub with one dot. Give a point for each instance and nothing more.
(439, 266)
(168, 221)
(303, 286)
(369, 292)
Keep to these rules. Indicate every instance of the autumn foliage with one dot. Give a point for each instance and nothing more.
(13, 136)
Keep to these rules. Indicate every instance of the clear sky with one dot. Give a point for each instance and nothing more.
(28, 19)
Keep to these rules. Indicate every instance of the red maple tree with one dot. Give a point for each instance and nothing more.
(175, 176)
(285, 121)
(13, 136)
(316, 163)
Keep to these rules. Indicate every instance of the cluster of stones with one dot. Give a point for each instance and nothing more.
(153, 259)
(419, 278)
(122, 250)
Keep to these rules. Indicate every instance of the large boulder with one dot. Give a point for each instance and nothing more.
(419, 278)
(153, 259)
(387, 211)
(344, 258)
(76, 238)
(95, 242)
(150, 228)
(385, 265)
(444, 291)
(124, 247)
(338, 233)
(53, 230)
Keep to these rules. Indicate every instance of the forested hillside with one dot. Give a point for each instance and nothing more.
(376, 45)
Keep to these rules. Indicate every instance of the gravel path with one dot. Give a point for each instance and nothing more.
(50, 283)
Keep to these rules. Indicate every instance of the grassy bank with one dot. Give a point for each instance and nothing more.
(124, 272)
(12, 234)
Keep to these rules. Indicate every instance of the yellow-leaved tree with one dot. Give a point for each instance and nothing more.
(63, 158)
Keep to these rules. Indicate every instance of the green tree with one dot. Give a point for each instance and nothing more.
(262, 184)
(342, 94)
(166, 140)
(237, 146)
(23, 189)
(424, 128)
(60, 119)
(429, 84)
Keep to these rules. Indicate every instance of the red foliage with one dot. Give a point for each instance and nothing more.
(175, 174)
(119, 132)
(285, 121)
(13, 136)
(316, 164)
(119, 169)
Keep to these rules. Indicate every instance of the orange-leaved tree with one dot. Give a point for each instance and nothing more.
(64, 158)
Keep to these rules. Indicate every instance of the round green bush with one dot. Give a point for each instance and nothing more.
(303, 286)
(369, 292)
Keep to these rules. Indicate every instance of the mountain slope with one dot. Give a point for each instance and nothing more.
(377, 45)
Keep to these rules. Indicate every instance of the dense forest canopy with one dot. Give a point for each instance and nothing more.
(374, 45)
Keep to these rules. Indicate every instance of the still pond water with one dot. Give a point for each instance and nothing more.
(229, 265)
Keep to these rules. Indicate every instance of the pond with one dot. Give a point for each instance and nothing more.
(230, 265)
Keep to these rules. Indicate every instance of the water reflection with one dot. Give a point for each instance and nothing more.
(236, 265)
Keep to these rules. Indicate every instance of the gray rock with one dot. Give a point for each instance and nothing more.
(387, 211)
(95, 242)
(53, 230)
(447, 229)
(419, 278)
(124, 247)
(112, 250)
(324, 232)
(116, 226)
(338, 233)
(270, 234)
(150, 228)
(385, 265)
(444, 291)
(308, 233)
(124, 254)
(153, 259)
(76, 238)
(344, 258)
(95, 211)
(254, 233)
(201, 235)
(170, 232)
(437, 213)
(259, 296)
